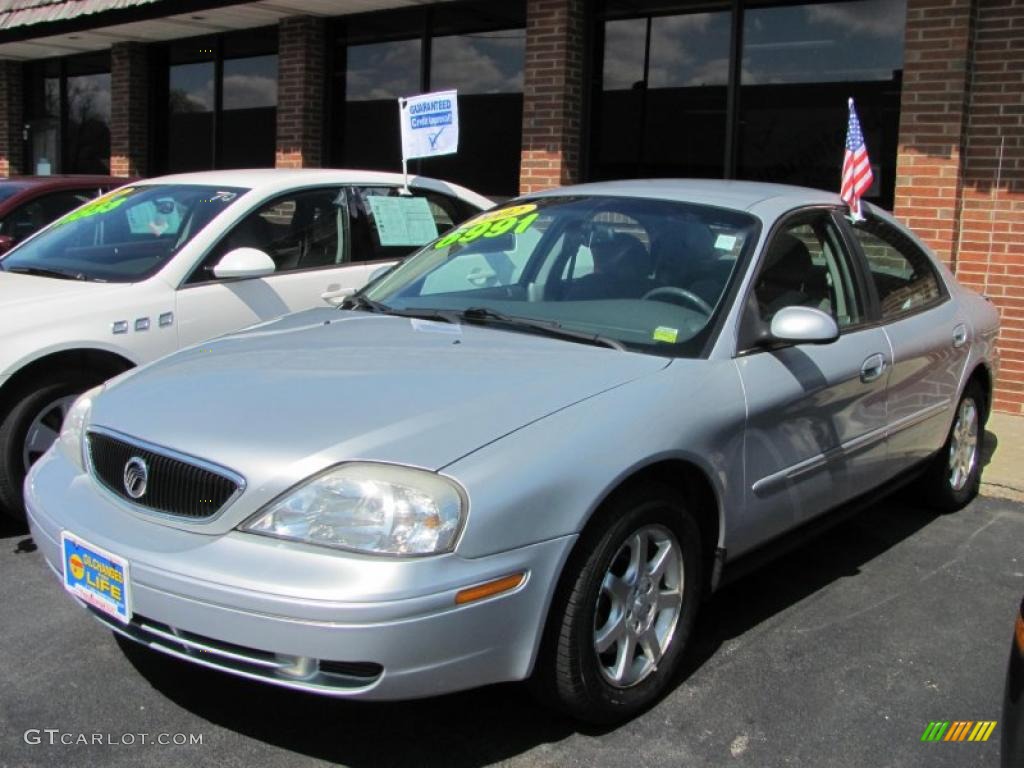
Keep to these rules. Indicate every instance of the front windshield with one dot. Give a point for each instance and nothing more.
(651, 275)
(124, 236)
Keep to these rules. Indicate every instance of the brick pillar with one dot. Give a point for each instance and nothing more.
(552, 94)
(933, 118)
(129, 109)
(300, 92)
(991, 253)
(12, 122)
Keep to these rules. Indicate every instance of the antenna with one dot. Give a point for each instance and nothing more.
(992, 213)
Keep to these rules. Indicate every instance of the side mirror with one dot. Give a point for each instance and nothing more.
(803, 325)
(244, 262)
(6, 243)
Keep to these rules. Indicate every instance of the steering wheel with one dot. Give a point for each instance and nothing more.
(688, 297)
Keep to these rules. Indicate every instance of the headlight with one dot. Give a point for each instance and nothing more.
(72, 433)
(377, 509)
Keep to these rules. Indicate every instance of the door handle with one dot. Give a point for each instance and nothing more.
(872, 368)
(959, 336)
(335, 295)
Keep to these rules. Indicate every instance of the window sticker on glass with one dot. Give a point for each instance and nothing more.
(516, 219)
(403, 220)
(725, 242)
(666, 334)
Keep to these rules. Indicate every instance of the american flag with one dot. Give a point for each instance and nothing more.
(857, 176)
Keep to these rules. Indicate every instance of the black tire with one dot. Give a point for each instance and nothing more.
(27, 404)
(570, 674)
(938, 484)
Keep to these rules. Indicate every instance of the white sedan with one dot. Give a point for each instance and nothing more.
(170, 262)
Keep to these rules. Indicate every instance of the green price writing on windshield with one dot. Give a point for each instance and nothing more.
(490, 227)
(103, 204)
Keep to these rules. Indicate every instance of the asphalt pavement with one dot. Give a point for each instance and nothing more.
(838, 654)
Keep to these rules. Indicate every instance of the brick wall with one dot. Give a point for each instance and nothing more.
(552, 94)
(990, 257)
(963, 108)
(300, 92)
(129, 110)
(11, 122)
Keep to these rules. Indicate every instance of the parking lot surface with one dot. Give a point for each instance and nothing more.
(838, 654)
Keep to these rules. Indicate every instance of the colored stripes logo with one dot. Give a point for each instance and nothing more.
(958, 730)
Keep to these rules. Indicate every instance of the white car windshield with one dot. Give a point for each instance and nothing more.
(649, 275)
(124, 236)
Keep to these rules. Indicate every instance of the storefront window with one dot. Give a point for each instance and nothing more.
(250, 111)
(663, 101)
(800, 65)
(221, 102)
(476, 48)
(191, 117)
(662, 105)
(67, 115)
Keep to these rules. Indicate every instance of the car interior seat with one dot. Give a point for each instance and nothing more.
(789, 278)
(622, 269)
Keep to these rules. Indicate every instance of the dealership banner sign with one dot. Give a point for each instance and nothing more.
(430, 124)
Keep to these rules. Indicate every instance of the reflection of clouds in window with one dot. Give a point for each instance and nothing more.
(873, 18)
(192, 87)
(686, 50)
(624, 43)
(684, 47)
(383, 70)
(89, 98)
(250, 83)
(488, 62)
(826, 42)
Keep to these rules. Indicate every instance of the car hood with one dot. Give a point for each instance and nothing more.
(283, 400)
(19, 291)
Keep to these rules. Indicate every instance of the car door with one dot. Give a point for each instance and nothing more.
(816, 413)
(929, 336)
(325, 243)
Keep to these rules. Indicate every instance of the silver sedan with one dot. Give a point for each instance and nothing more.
(530, 451)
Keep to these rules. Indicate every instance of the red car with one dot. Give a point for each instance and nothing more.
(28, 203)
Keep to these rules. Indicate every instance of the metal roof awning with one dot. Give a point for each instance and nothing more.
(38, 29)
(23, 13)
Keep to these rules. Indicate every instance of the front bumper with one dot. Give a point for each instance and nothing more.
(300, 616)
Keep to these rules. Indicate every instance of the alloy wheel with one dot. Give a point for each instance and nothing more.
(638, 606)
(44, 429)
(963, 445)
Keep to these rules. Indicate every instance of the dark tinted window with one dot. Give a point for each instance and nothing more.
(191, 117)
(476, 48)
(35, 214)
(904, 276)
(800, 64)
(663, 101)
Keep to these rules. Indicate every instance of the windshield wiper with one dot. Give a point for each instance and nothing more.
(358, 301)
(547, 327)
(43, 272)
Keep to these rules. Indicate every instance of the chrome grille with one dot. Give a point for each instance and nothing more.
(175, 486)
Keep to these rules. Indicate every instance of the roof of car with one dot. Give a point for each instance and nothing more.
(743, 195)
(257, 178)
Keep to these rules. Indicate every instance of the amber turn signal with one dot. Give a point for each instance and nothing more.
(489, 589)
